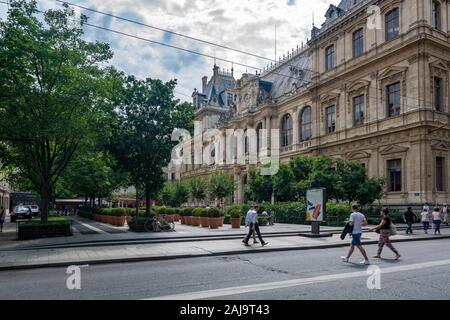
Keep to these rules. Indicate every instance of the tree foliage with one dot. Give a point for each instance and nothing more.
(54, 93)
(344, 180)
(141, 143)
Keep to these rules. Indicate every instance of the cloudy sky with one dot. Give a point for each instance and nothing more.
(247, 25)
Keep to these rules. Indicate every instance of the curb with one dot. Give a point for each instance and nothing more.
(189, 256)
(181, 239)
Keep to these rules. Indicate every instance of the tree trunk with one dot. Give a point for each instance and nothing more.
(137, 202)
(45, 199)
(85, 201)
(147, 201)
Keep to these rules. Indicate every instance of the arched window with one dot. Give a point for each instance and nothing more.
(306, 124)
(286, 131)
(436, 11)
(259, 136)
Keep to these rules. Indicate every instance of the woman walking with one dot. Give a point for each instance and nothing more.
(385, 231)
(437, 221)
(2, 218)
(445, 212)
(425, 220)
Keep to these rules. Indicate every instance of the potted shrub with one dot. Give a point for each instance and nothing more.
(169, 215)
(182, 216)
(204, 219)
(222, 218)
(104, 216)
(177, 214)
(214, 218)
(119, 217)
(160, 212)
(189, 212)
(236, 217)
(196, 217)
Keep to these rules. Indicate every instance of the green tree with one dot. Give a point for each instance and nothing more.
(323, 175)
(142, 144)
(283, 184)
(198, 189)
(91, 175)
(221, 186)
(259, 188)
(354, 184)
(181, 193)
(54, 93)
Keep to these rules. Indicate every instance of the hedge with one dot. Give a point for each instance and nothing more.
(36, 230)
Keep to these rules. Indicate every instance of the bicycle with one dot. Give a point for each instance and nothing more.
(155, 225)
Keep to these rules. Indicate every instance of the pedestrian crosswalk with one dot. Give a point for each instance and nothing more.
(87, 227)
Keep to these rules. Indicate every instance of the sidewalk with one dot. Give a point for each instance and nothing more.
(102, 233)
(57, 257)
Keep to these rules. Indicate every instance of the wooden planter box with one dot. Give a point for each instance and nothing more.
(195, 221)
(222, 219)
(118, 221)
(188, 220)
(183, 220)
(214, 223)
(236, 223)
(177, 218)
(204, 222)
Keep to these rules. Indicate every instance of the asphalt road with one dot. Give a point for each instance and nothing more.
(422, 273)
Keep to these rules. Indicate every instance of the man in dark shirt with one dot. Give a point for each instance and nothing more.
(410, 218)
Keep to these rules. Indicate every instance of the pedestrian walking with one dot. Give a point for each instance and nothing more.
(357, 221)
(410, 218)
(2, 218)
(445, 212)
(254, 235)
(252, 222)
(385, 231)
(437, 221)
(425, 216)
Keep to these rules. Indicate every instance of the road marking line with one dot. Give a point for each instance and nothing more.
(91, 227)
(293, 283)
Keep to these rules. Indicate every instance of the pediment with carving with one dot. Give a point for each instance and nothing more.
(392, 71)
(394, 149)
(356, 155)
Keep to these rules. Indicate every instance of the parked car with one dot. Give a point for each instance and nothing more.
(34, 209)
(21, 213)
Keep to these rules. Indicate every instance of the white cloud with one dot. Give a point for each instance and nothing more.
(247, 25)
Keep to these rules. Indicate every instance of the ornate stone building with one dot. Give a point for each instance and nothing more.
(371, 85)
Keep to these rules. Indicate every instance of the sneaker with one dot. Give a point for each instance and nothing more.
(366, 263)
(377, 257)
(264, 244)
(246, 244)
(255, 242)
(344, 259)
(398, 257)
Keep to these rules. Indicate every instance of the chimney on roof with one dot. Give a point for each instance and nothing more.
(216, 70)
(204, 84)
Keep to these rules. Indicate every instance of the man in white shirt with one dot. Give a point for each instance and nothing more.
(357, 220)
(252, 221)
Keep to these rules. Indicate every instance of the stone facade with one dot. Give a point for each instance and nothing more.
(372, 85)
